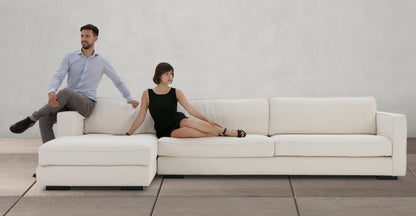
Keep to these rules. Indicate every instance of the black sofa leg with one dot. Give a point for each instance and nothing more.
(174, 176)
(139, 188)
(58, 187)
(387, 177)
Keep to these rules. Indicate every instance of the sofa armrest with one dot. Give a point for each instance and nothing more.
(394, 127)
(69, 123)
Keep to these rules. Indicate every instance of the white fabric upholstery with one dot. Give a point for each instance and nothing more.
(332, 145)
(250, 146)
(99, 149)
(251, 115)
(275, 166)
(69, 123)
(96, 175)
(115, 116)
(310, 136)
(394, 127)
(342, 115)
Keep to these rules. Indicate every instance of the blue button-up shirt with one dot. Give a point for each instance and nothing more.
(84, 74)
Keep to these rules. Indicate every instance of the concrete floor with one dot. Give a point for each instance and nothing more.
(205, 195)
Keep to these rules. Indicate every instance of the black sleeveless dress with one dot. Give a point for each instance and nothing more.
(163, 109)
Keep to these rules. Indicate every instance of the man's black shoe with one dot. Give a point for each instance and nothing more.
(34, 175)
(21, 126)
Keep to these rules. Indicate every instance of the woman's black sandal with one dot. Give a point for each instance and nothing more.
(240, 133)
(223, 133)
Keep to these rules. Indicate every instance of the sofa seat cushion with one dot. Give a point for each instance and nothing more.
(99, 149)
(250, 146)
(332, 145)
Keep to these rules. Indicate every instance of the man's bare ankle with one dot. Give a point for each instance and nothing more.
(32, 118)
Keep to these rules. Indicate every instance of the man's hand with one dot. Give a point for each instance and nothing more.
(134, 103)
(52, 100)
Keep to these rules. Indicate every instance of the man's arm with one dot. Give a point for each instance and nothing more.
(60, 74)
(112, 74)
(57, 81)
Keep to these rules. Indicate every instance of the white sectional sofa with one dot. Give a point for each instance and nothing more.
(285, 136)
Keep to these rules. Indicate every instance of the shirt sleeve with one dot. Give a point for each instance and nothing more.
(112, 74)
(60, 74)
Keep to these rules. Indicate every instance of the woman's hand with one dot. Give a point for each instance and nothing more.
(213, 123)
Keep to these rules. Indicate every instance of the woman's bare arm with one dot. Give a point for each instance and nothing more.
(191, 110)
(142, 113)
(188, 107)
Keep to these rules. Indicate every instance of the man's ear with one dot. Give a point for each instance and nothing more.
(96, 38)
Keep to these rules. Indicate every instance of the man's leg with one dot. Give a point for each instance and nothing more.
(71, 101)
(68, 100)
(45, 126)
(80, 103)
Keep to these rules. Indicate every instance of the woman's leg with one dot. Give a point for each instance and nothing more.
(186, 132)
(200, 125)
(206, 127)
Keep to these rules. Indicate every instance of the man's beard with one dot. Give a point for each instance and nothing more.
(87, 46)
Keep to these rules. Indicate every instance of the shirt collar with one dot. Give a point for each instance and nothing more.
(79, 52)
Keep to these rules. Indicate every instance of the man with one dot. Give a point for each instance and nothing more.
(85, 69)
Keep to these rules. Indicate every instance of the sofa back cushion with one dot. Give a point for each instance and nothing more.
(115, 116)
(332, 115)
(251, 115)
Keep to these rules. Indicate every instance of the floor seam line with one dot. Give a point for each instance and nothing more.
(157, 196)
(393, 197)
(294, 196)
(223, 196)
(411, 170)
(24, 193)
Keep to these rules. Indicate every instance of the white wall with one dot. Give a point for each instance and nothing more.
(219, 48)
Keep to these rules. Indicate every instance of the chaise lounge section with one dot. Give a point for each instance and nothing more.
(86, 153)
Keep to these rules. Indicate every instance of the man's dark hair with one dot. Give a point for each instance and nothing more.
(162, 68)
(91, 27)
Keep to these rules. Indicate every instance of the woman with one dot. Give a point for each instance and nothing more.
(162, 102)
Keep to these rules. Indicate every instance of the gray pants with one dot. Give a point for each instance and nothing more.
(68, 100)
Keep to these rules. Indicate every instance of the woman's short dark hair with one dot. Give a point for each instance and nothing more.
(91, 27)
(162, 68)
